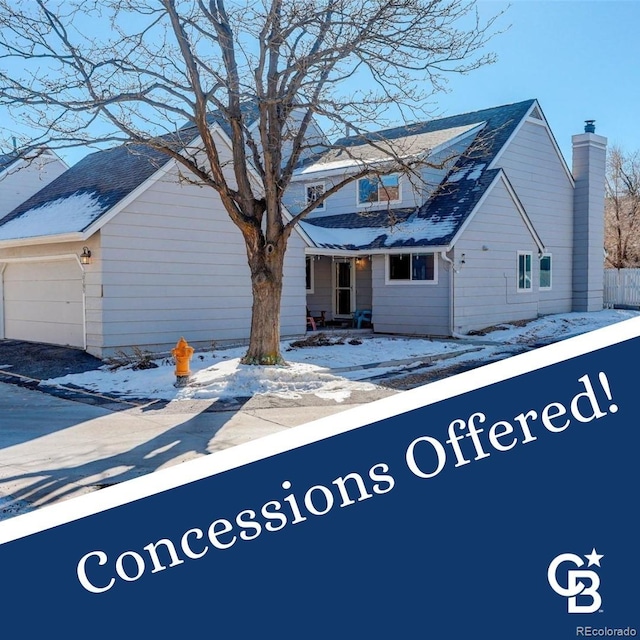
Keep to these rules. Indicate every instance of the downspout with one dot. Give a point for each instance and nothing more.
(446, 258)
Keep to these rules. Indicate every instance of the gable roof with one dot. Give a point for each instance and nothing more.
(437, 221)
(87, 191)
(7, 159)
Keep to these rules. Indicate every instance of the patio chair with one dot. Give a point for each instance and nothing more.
(361, 317)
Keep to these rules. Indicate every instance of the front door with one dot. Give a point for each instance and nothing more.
(344, 299)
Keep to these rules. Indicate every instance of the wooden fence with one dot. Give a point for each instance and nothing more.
(621, 288)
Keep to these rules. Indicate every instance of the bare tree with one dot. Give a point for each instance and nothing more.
(622, 209)
(138, 71)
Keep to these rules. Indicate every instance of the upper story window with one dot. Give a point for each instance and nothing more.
(379, 189)
(314, 192)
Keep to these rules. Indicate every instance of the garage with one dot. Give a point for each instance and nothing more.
(43, 301)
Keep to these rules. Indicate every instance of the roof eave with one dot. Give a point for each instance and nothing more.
(76, 236)
(321, 251)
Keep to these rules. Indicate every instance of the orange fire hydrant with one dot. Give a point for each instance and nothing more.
(182, 355)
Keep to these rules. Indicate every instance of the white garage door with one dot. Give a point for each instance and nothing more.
(43, 302)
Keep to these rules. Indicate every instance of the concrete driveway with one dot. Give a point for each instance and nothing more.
(53, 448)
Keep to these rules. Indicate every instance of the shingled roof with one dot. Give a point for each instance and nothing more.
(88, 190)
(435, 222)
(7, 159)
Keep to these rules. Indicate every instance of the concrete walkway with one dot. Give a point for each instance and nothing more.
(54, 448)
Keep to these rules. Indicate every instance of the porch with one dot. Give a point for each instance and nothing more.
(339, 292)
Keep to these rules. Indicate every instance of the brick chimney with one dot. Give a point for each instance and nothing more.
(589, 166)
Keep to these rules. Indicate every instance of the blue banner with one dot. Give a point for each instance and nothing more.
(498, 504)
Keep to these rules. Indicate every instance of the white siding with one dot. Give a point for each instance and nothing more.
(485, 286)
(175, 265)
(24, 179)
(322, 298)
(539, 178)
(43, 302)
(411, 309)
(345, 200)
(40, 257)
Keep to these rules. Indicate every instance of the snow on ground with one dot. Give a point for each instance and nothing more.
(333, 371)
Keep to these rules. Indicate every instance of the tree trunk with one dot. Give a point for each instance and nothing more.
(266, 283)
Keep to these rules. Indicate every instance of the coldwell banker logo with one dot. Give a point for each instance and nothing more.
(590, 599)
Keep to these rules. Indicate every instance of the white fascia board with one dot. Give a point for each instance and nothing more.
(523, 213)
(25, 242)
(461, 136)
(542, 123)
(352, 253)
(46, 153)
(128, 199)
(9, 167)
(343, 167)
(501, 177)
(479, 204)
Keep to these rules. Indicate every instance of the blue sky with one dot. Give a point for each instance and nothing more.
(579, 58)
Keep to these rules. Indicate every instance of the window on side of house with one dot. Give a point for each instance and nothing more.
(524, 271)
(379, 189)
(407, 268)
(314, 192)
(545, 271)
(309, 274)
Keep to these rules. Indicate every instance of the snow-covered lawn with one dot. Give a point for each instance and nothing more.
(332, 371)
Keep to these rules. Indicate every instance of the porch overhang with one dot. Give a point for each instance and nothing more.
(354, 253)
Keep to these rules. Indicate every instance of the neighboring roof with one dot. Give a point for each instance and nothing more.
(83, 193)
(438, 220)
(7, 159)
(89, 189)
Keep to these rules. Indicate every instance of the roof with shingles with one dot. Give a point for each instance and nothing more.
(99, 182)
(438, 220)
(104, 178)
(7, 159)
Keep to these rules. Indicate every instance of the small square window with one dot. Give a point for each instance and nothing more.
(545, 272)
(524, 271)
(314, 193)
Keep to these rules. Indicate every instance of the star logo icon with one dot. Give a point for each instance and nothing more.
(594, 558)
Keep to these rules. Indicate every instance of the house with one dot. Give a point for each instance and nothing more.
(490, 226)
(119, 252)
(23, 174)
(493, 228)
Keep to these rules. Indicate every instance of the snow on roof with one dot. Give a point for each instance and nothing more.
(376, 148)
(410, 232)
(469, 172)
(65, 215)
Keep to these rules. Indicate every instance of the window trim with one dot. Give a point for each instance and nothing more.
(379, 180)
(309, 260)
(528, 289)
(550, 287)
(309, 185)
(387, 275)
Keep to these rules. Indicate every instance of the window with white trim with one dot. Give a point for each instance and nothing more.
(403, 268)
(379, 189)
(524, 271)
(314, 192)
(309, 273)
(545, 271)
